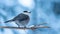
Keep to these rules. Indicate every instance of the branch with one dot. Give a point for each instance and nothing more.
(34, 27)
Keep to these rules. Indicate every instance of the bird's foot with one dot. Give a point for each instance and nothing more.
(24, 26)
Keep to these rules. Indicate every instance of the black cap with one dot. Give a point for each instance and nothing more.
(25, 11)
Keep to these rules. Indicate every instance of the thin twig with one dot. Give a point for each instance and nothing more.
(24, 28)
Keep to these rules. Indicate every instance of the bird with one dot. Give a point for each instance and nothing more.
(21, 19)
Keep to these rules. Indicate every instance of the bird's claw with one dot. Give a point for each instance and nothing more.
(33, 28)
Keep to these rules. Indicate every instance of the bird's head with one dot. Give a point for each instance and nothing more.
(26, 12)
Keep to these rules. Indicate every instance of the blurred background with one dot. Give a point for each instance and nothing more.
(42, 11)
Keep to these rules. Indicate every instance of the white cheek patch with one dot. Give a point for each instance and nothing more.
(27, 3)
(26, 13)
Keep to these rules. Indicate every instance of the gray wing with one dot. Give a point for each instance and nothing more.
(21, 17)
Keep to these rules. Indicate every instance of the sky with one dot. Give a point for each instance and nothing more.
(42, 11)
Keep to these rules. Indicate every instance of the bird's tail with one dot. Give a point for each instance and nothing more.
(8, 21)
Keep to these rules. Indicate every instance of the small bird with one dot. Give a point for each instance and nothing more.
(21, 19)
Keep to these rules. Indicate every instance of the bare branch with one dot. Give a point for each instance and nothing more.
(35, 27)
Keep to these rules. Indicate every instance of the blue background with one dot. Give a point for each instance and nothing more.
(42, 12)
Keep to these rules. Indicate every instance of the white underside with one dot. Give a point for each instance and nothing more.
(22, 23)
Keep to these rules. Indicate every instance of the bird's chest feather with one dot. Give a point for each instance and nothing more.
(25, 22)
